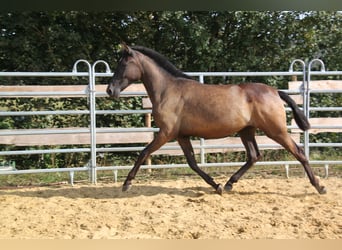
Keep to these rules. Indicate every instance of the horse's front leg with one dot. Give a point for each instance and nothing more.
(158, 141)
(187, 148)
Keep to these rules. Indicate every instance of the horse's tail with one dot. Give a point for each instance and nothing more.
(298, 114)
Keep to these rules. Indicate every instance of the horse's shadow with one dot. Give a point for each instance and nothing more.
(106, 192)
(115, 192)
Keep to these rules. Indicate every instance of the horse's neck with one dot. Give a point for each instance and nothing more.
(155, 81)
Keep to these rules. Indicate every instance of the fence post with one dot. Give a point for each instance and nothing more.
(93, 118)
(202, 141)
(148, 124)
(305, 101)
(307, 138)
(90, 79)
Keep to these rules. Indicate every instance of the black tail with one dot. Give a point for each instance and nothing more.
(298, 114)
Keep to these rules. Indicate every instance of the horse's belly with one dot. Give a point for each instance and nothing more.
(212, 129)
(223, 122)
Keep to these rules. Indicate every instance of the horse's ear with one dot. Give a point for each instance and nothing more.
(126, 48)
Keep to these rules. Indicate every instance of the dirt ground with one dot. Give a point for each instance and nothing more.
(178, 209)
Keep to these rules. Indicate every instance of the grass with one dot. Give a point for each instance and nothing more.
(51, 179)
(277, 171)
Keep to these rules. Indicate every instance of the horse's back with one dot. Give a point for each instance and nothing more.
(231, 96)
(213, 111)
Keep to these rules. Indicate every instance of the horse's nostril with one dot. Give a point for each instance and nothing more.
(109, 91)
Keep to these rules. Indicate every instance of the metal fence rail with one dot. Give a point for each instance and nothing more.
(92, 94)
(308, 92)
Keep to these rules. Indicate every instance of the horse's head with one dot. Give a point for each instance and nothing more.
(127, 71)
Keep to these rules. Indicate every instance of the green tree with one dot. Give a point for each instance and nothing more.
(193, 41)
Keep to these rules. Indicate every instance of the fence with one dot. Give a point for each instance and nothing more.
(94, 136)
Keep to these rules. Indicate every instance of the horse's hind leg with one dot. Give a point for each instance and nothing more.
(286, 141)
(186, 146)
(248, 139)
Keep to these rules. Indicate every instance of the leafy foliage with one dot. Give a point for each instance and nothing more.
(193, 41)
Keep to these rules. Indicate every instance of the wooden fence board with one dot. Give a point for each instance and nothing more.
(75, 138)
(323, 121)
(146, 137)
(317, 85)
(58, 89)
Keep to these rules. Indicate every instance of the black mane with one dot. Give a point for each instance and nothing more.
(162, 61)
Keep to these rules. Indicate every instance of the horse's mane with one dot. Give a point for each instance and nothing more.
(162, 61)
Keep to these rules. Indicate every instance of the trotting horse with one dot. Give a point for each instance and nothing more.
(182, 107)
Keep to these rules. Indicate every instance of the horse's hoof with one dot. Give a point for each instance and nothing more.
(126, 187)
(219, 189)
(322, 190)
(228, 187)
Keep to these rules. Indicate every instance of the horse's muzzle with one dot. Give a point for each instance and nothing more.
(113, 91)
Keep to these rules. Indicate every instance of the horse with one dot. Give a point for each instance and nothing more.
(182, 107)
